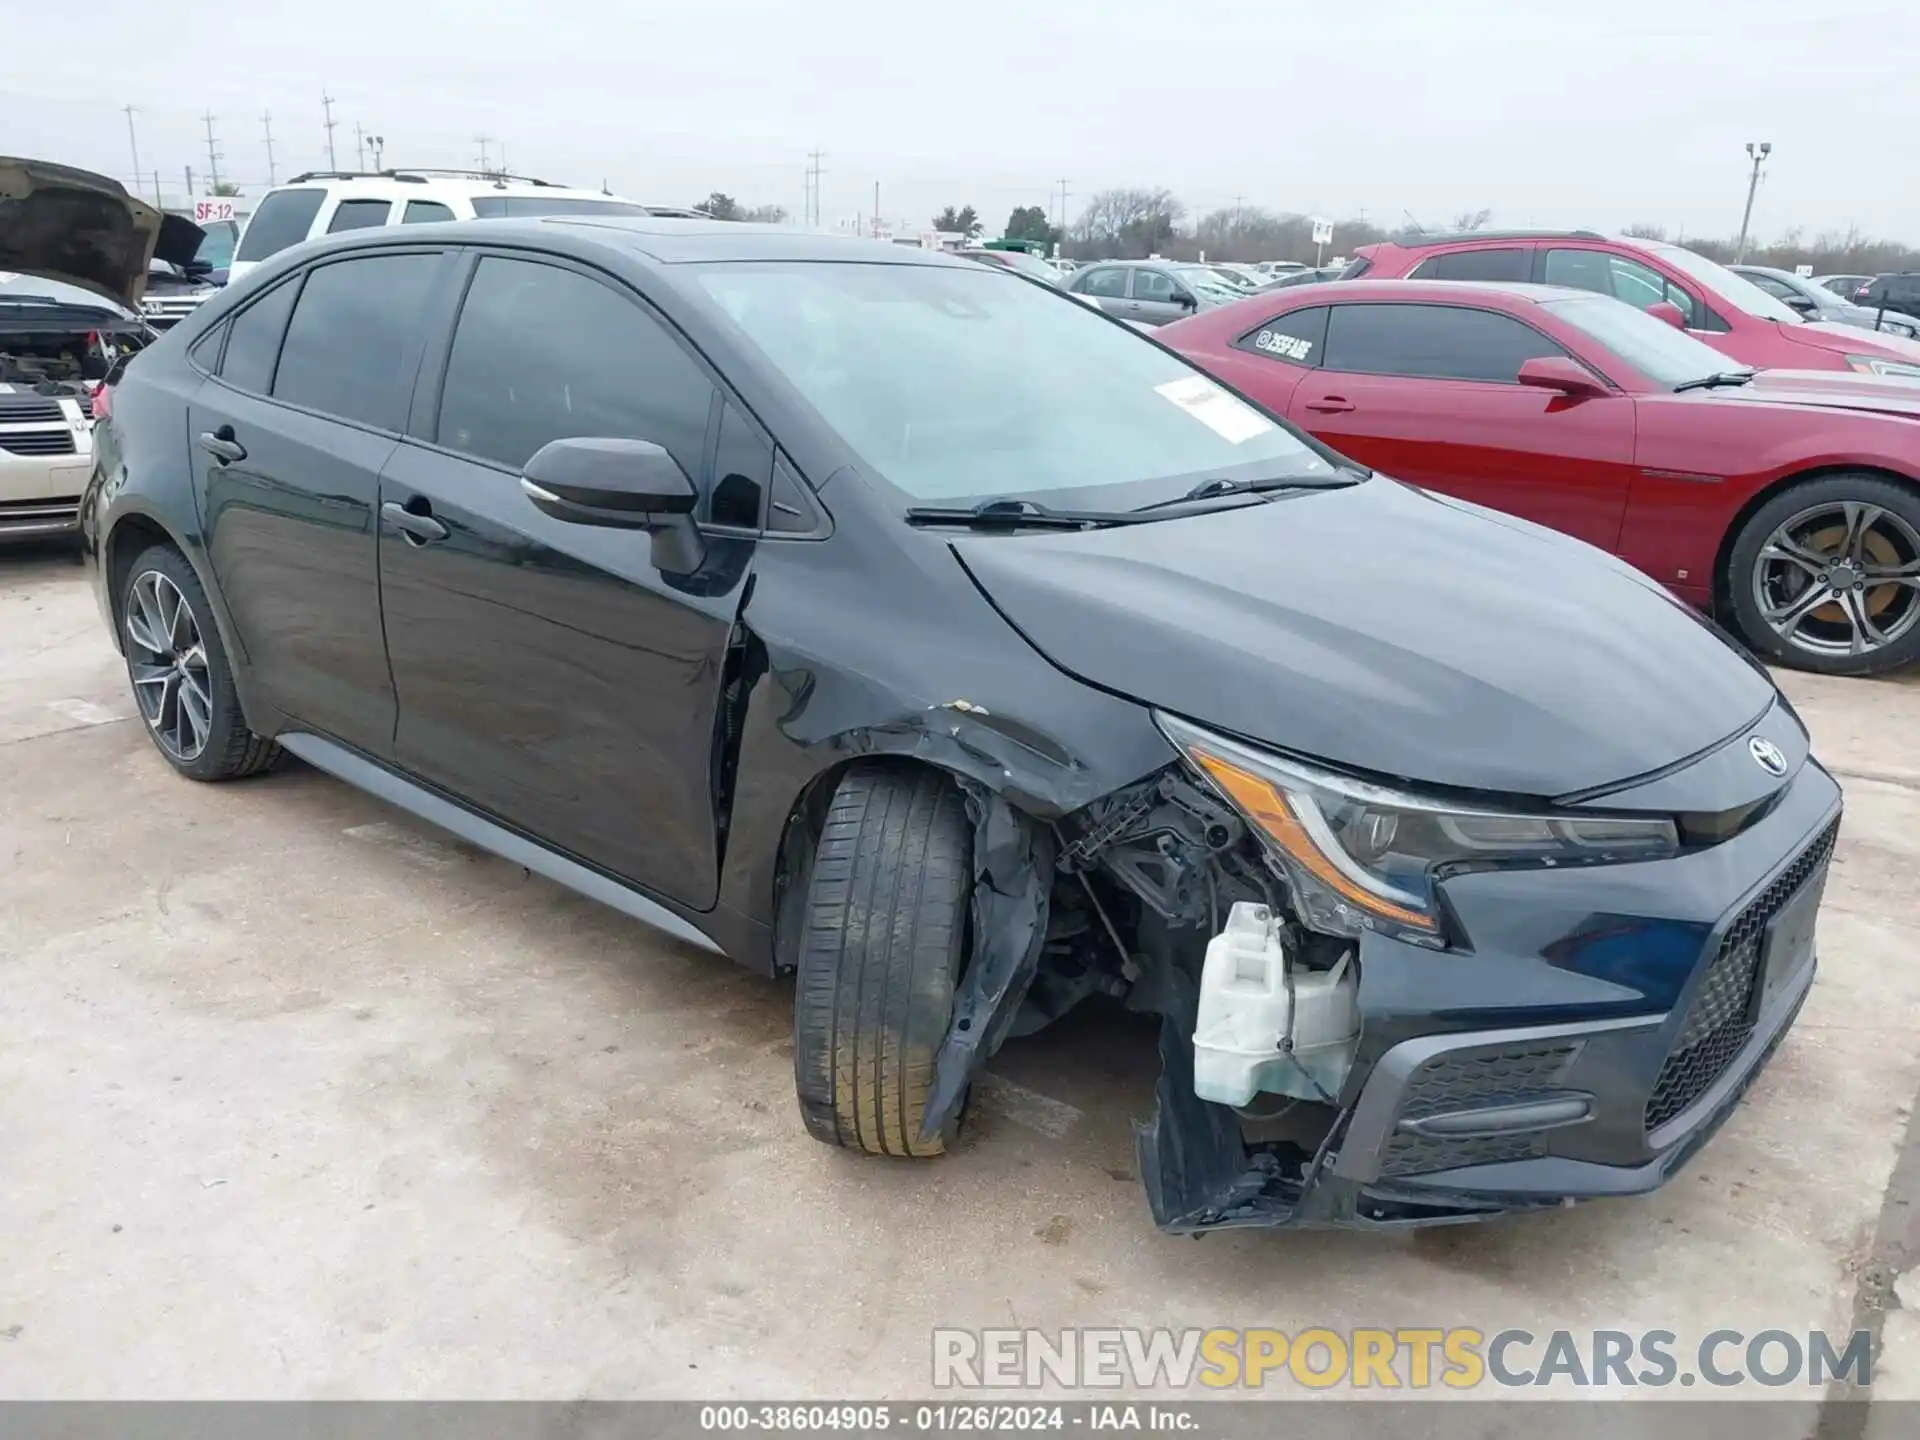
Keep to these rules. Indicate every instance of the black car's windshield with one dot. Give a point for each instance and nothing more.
(956, 384)
(1656, 349)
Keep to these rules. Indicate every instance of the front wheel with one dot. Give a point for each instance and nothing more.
(1826, 575)
(180, 675)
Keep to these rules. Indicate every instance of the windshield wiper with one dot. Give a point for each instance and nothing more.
(1715, 380)
(1006, 514)
(1218, 488)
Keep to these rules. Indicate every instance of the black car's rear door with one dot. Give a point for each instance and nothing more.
(547, 672)
(288, 442)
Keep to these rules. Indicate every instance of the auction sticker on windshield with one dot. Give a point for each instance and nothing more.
(1214, 408)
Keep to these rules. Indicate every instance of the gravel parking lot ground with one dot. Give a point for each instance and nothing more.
(301, 1098)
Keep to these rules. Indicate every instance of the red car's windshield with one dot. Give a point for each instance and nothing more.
(1653, 347)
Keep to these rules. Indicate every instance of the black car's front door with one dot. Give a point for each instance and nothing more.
(288, 444)
(547, 672)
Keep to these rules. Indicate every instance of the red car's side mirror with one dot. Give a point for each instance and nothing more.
(1668, 311)
(1558, 372)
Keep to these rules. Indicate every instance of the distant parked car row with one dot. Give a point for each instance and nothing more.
(1822, 302)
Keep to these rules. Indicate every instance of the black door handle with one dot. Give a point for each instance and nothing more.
(221, 445)
(419, 526)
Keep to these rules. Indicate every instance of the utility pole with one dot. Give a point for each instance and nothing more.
(134, 145)
(359, 147)
(1758, 152)
(266, 122)
(326, 105)
(814, 172)
(189, 170)
(483, 141)
(213, 156)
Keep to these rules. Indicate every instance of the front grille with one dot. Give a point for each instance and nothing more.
(37, 442)
(30, 410)
(1409, 1153)
(38, 515)
(1720, 1017)
(1467, 1080)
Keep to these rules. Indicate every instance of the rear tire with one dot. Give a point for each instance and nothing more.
(178, 669)
(1826, 575)
(882, 945)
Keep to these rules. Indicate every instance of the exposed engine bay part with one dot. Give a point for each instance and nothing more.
(86, 230)
(1263, 1023)
(63, 363)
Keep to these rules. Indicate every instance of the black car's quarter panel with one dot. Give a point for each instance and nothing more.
(549, 675)
(290, 532)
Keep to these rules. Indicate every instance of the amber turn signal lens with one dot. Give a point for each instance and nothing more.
(1268, 807)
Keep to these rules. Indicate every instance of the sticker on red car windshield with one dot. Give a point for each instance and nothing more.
(1287, 347)
(1214, 408)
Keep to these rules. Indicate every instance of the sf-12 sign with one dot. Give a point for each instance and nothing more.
(208, 209)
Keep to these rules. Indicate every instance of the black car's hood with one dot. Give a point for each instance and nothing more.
(85, 229)
(1387, 630)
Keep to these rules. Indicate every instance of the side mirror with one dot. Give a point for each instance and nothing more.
(1802, 303)
(1185, 301)
(1559, 373)
(624, 484)
(1668, 311)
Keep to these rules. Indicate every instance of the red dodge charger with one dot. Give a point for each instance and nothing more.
(1785, 502)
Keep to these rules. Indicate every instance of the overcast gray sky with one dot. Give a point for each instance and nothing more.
(1551, 113)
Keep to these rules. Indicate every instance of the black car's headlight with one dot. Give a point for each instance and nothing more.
(1362, 856)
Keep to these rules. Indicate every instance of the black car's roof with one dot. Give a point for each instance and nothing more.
(671, 241)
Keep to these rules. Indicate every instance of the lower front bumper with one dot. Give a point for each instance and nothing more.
(1469, 1110)
(34, 519)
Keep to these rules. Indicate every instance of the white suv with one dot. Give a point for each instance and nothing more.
(327, 202)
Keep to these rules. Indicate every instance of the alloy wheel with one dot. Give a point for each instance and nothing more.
(1840, 578)
(168, 661)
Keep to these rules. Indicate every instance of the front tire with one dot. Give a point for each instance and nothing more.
(882, 946)
(178, 668)
(1826, 575)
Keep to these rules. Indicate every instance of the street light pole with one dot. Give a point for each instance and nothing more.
(1758, 153)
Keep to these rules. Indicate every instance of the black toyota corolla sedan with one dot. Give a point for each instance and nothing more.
(874, 616)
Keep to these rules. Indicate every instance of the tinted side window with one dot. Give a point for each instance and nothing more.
(283, 219)
(1641, 285)
(1299, 337)
(1109, 282)
(1507, 264)
(358, 215)
(253, 339)
(1582, 269)
(1152, 285)
(351, 344)
(421, 212)
(543, 353)
(1448, 342)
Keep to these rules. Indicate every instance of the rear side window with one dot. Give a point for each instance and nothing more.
(543, 353)
(283, 219)
(1442, 342)
(358, 215)
(350, 345)
(253, 339)
(1511, 263)
(424, 212)
(1299, 337)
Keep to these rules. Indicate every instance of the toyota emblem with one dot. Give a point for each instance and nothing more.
(1768, 756)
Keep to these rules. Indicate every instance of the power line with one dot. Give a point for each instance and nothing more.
(266, 122)
(213, 156)
(326, 104)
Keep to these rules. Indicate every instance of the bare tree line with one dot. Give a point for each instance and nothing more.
(1134, 222)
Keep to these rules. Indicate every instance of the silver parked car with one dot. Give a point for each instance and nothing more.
(1818, 302)
(1151, 292)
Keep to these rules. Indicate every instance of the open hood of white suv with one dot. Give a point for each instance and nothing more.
(85, 229)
